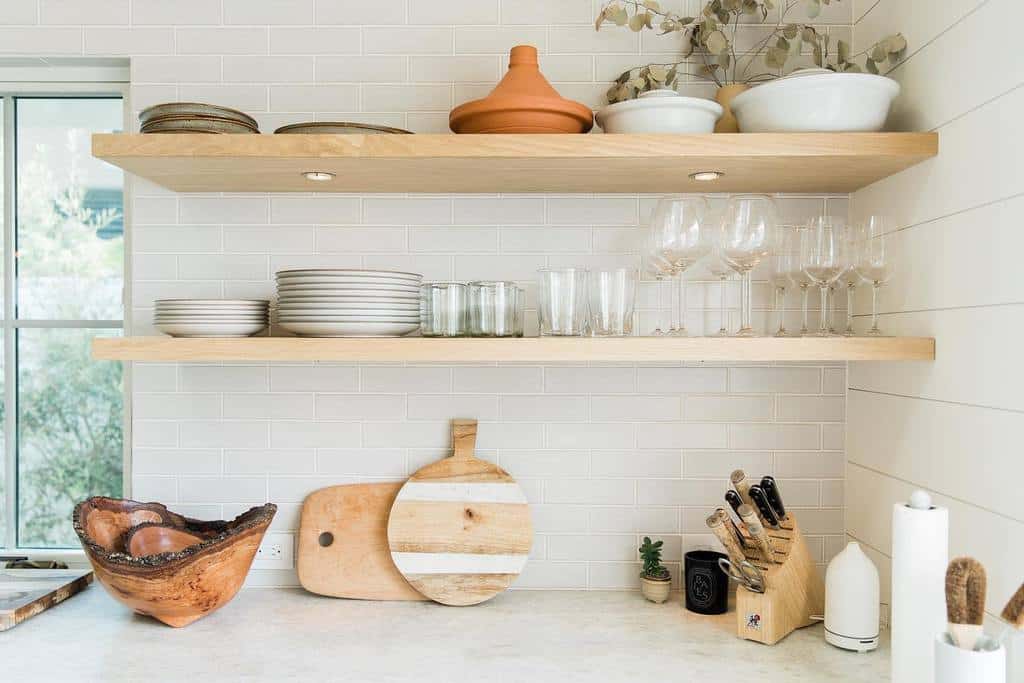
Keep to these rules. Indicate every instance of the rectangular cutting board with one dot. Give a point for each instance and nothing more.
(25, 593)
(343, 544)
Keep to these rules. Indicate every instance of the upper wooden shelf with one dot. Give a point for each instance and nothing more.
(757, 162)
(524, 350)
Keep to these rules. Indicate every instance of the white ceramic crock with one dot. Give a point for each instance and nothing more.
(956, 665)
(817, 103)
(660, 111)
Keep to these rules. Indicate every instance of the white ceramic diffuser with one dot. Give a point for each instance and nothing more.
(851, 600)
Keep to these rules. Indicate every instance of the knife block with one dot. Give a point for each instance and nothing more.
(794, 589)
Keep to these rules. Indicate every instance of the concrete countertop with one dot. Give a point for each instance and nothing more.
(278, 634)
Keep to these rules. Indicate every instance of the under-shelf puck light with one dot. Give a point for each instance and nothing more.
(319, 176)
(706, 176)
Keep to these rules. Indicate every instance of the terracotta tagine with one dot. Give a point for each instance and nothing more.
(724, 96)
(523, 102)
(200, 571)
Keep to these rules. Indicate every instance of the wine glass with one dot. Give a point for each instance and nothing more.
(677, 226)
(872, 261)
(748, 234)
(799, 279)
(655, 265)
(720, 268)
(823, 258)
(848, 281)
(784, 261)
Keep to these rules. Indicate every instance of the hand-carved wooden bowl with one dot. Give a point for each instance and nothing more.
(175, 587)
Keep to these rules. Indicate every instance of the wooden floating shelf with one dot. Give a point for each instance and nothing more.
(523, 350)
(757, 162)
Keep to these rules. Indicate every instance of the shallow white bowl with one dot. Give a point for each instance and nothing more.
(350, 329)
(192, 329)
(346, 281)
(660, 111)
(318, 289)
(817, 103)
(347, 272)
(210, 302)
(362, 309)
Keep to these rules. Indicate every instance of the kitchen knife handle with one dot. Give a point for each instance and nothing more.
(758, 533)
(734, 501)
(761, 501)
(771, 490)
(728, 521)
(723, 534)
(741, 483)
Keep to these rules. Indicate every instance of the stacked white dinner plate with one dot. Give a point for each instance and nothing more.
(211, 317)
(348, 302)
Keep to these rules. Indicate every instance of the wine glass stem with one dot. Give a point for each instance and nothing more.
(874, 308)
(849, 309)
(780, 297)
(722, 329)
(747, 304)
(682, 303)
(805, 291)
(823, 324)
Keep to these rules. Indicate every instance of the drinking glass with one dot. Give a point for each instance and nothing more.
(748, 234)
(871, 261)
(720, 269)
(848, 281)
(799, 279)
(612, 299)
(677, 226)
(496, 309)
(443, 311)
(562, 301)
(823, 258)
(784, 261)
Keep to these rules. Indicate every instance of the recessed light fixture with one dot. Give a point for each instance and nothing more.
(319, 176)
(706, 176)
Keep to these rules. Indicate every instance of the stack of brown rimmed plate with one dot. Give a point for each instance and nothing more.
(348, 302)
(195, 117)
(338, 128)
(211, 317)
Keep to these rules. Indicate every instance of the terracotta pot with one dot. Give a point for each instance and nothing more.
(655, 590)
(523, 102)
(728, 123)
(174, 587)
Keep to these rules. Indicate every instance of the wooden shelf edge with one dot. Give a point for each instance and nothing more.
(523, 350)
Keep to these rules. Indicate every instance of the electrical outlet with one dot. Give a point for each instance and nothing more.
(277, 551)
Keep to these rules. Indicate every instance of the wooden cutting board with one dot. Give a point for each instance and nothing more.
(25, 593)
(343, 544)
(460, 529)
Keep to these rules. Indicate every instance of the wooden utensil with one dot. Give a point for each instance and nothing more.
(460, 529)
(25, 593)
(343, 544)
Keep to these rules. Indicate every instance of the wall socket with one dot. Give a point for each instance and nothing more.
(277, 551)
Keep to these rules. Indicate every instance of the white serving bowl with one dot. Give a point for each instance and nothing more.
(817, 103)
(660, 111)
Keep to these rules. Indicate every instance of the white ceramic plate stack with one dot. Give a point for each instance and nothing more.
(211, 317)
(344, 302)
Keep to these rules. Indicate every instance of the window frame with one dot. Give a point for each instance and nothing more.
(44, 88)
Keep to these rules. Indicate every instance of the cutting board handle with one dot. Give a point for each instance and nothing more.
(464, 439)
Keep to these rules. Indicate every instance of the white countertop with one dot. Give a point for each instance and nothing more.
(288, 634)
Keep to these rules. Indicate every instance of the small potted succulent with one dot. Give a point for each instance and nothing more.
(655, 581)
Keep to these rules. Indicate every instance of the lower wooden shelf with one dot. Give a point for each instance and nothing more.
(523, 350)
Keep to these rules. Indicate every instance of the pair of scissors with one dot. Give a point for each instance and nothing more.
(745, 573)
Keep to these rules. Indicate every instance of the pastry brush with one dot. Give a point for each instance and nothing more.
(1013, 613)
(965, 601)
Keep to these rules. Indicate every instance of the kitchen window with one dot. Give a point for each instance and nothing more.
(63, 283)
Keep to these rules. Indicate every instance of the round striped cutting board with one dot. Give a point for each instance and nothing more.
(459, 530)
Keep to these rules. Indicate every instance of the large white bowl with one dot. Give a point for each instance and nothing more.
(350, 329)
(817, 103)
(660, 111)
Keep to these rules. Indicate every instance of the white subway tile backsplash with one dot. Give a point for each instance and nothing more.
(23, 13)
(268, 11)
(605, 453)
(76, 12)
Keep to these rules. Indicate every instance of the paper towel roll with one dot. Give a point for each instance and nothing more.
(920, 551)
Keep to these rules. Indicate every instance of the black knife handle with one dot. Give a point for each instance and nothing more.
(761, 501)
(734, 500)
(771, 490)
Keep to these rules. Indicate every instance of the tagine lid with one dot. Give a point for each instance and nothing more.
(524, 94)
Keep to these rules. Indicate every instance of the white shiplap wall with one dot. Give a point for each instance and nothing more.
(605, 454)
(953, 427)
